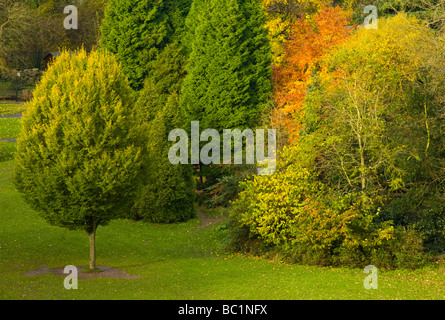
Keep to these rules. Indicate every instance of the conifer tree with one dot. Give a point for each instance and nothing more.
(229, 67)
(167, 195)
(81, 152)
(138, 30)
(135, 30)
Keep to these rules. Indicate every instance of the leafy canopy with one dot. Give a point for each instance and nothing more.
(80, 154)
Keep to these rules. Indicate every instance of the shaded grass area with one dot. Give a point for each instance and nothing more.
(176, 261)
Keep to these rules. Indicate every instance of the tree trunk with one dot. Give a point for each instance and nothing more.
(200, 173)
(92, 236)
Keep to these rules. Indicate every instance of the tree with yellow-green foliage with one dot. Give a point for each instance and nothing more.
(379, 118)
(369, 159)
(81, 152)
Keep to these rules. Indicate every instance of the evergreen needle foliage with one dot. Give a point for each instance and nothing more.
(229, 70)
(168, 193)
(135, 31)
(81, 151)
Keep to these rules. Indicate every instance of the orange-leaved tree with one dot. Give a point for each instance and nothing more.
(311, 38)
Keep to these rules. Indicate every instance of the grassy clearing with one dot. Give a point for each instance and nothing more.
(176, 261)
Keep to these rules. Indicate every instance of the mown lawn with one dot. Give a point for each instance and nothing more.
(7, 150)
(10, 128)
(175, 261)
(11, 108)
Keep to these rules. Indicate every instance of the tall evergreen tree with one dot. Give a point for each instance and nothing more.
(166, 79)
(167, 195)
(229, 68)
(136, 31)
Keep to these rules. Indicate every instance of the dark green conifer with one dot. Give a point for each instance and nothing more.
(229, 70)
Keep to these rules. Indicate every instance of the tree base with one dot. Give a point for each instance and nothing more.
(89, 270)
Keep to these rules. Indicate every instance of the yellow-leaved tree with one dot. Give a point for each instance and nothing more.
(368, 161)
(281, 15)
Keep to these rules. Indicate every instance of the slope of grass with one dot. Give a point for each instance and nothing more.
(175, 261)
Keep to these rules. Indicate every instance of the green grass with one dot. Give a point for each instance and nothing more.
(10, 128)
(7, 150)
(11, 108)
(174, 261)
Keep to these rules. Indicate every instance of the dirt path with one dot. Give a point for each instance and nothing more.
(205, 222)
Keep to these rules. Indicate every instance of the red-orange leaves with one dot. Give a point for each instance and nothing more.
(311, 39)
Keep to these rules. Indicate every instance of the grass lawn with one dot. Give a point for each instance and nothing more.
(175, 261)
(11, 108)
(7, 150)
(10, 128)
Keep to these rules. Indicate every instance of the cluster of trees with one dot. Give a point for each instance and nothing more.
(360, 170)
(82, 143)
(361, 176)
(28, 27)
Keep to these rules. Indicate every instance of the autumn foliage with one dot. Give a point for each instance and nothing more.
(311, 39)
(360, 179)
